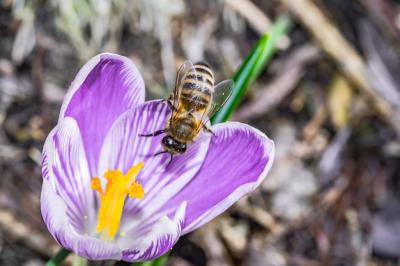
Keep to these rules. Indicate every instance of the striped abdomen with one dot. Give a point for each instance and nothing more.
(197, 88)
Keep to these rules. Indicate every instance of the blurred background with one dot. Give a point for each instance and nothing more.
(330, 99)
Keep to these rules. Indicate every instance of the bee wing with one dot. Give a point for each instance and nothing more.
(185, 68)
(222, 92)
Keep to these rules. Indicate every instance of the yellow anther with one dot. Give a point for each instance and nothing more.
(136, 191)
(96, 185)
(112, 175)
(112, 201)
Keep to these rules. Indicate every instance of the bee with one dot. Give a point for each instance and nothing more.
(193, 101)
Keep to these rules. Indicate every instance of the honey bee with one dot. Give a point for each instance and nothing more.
(193, 101)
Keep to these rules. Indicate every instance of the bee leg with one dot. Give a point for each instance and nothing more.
(208, 129)
(162, 152)
(158, 153)
(156, 133)
(170, 160)
(173, 108)
(170, 104)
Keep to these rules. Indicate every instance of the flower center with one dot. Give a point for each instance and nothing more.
(112, 200)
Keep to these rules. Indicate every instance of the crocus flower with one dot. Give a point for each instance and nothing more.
(104, 194)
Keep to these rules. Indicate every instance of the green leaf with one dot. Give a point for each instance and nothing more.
(58, 258)
(252, 67)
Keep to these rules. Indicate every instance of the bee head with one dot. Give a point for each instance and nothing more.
(173, 146)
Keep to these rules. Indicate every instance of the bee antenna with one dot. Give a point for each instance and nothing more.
(160, 152)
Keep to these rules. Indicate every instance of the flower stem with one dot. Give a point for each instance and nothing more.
(79, 261)
(157, 262)
(59, 257)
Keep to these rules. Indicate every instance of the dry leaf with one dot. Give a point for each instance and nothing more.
(340, 96)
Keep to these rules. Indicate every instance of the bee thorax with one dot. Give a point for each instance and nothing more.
(183, 129)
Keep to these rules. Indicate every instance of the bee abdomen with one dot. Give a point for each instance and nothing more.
(196, 100)
(200, 77)
(204, 68)
(192, 85)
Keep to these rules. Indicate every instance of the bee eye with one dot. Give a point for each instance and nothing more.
(167, 141)
(183, 147)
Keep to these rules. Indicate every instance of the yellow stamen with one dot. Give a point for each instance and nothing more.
(96, 185)
(136, 191)
(113, 199)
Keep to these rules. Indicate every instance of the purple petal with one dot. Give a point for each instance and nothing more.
(159, 239)
(124, 148)
(237, 161)
(54, 212)
(104, 88)
(65, 166)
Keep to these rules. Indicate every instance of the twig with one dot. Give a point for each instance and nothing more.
(260, 216)
(213, 246)
(251, 13)
(312, 128)
(167, 52)
(256, 18)
(331, 160)
(385, 13)
(38, 81)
